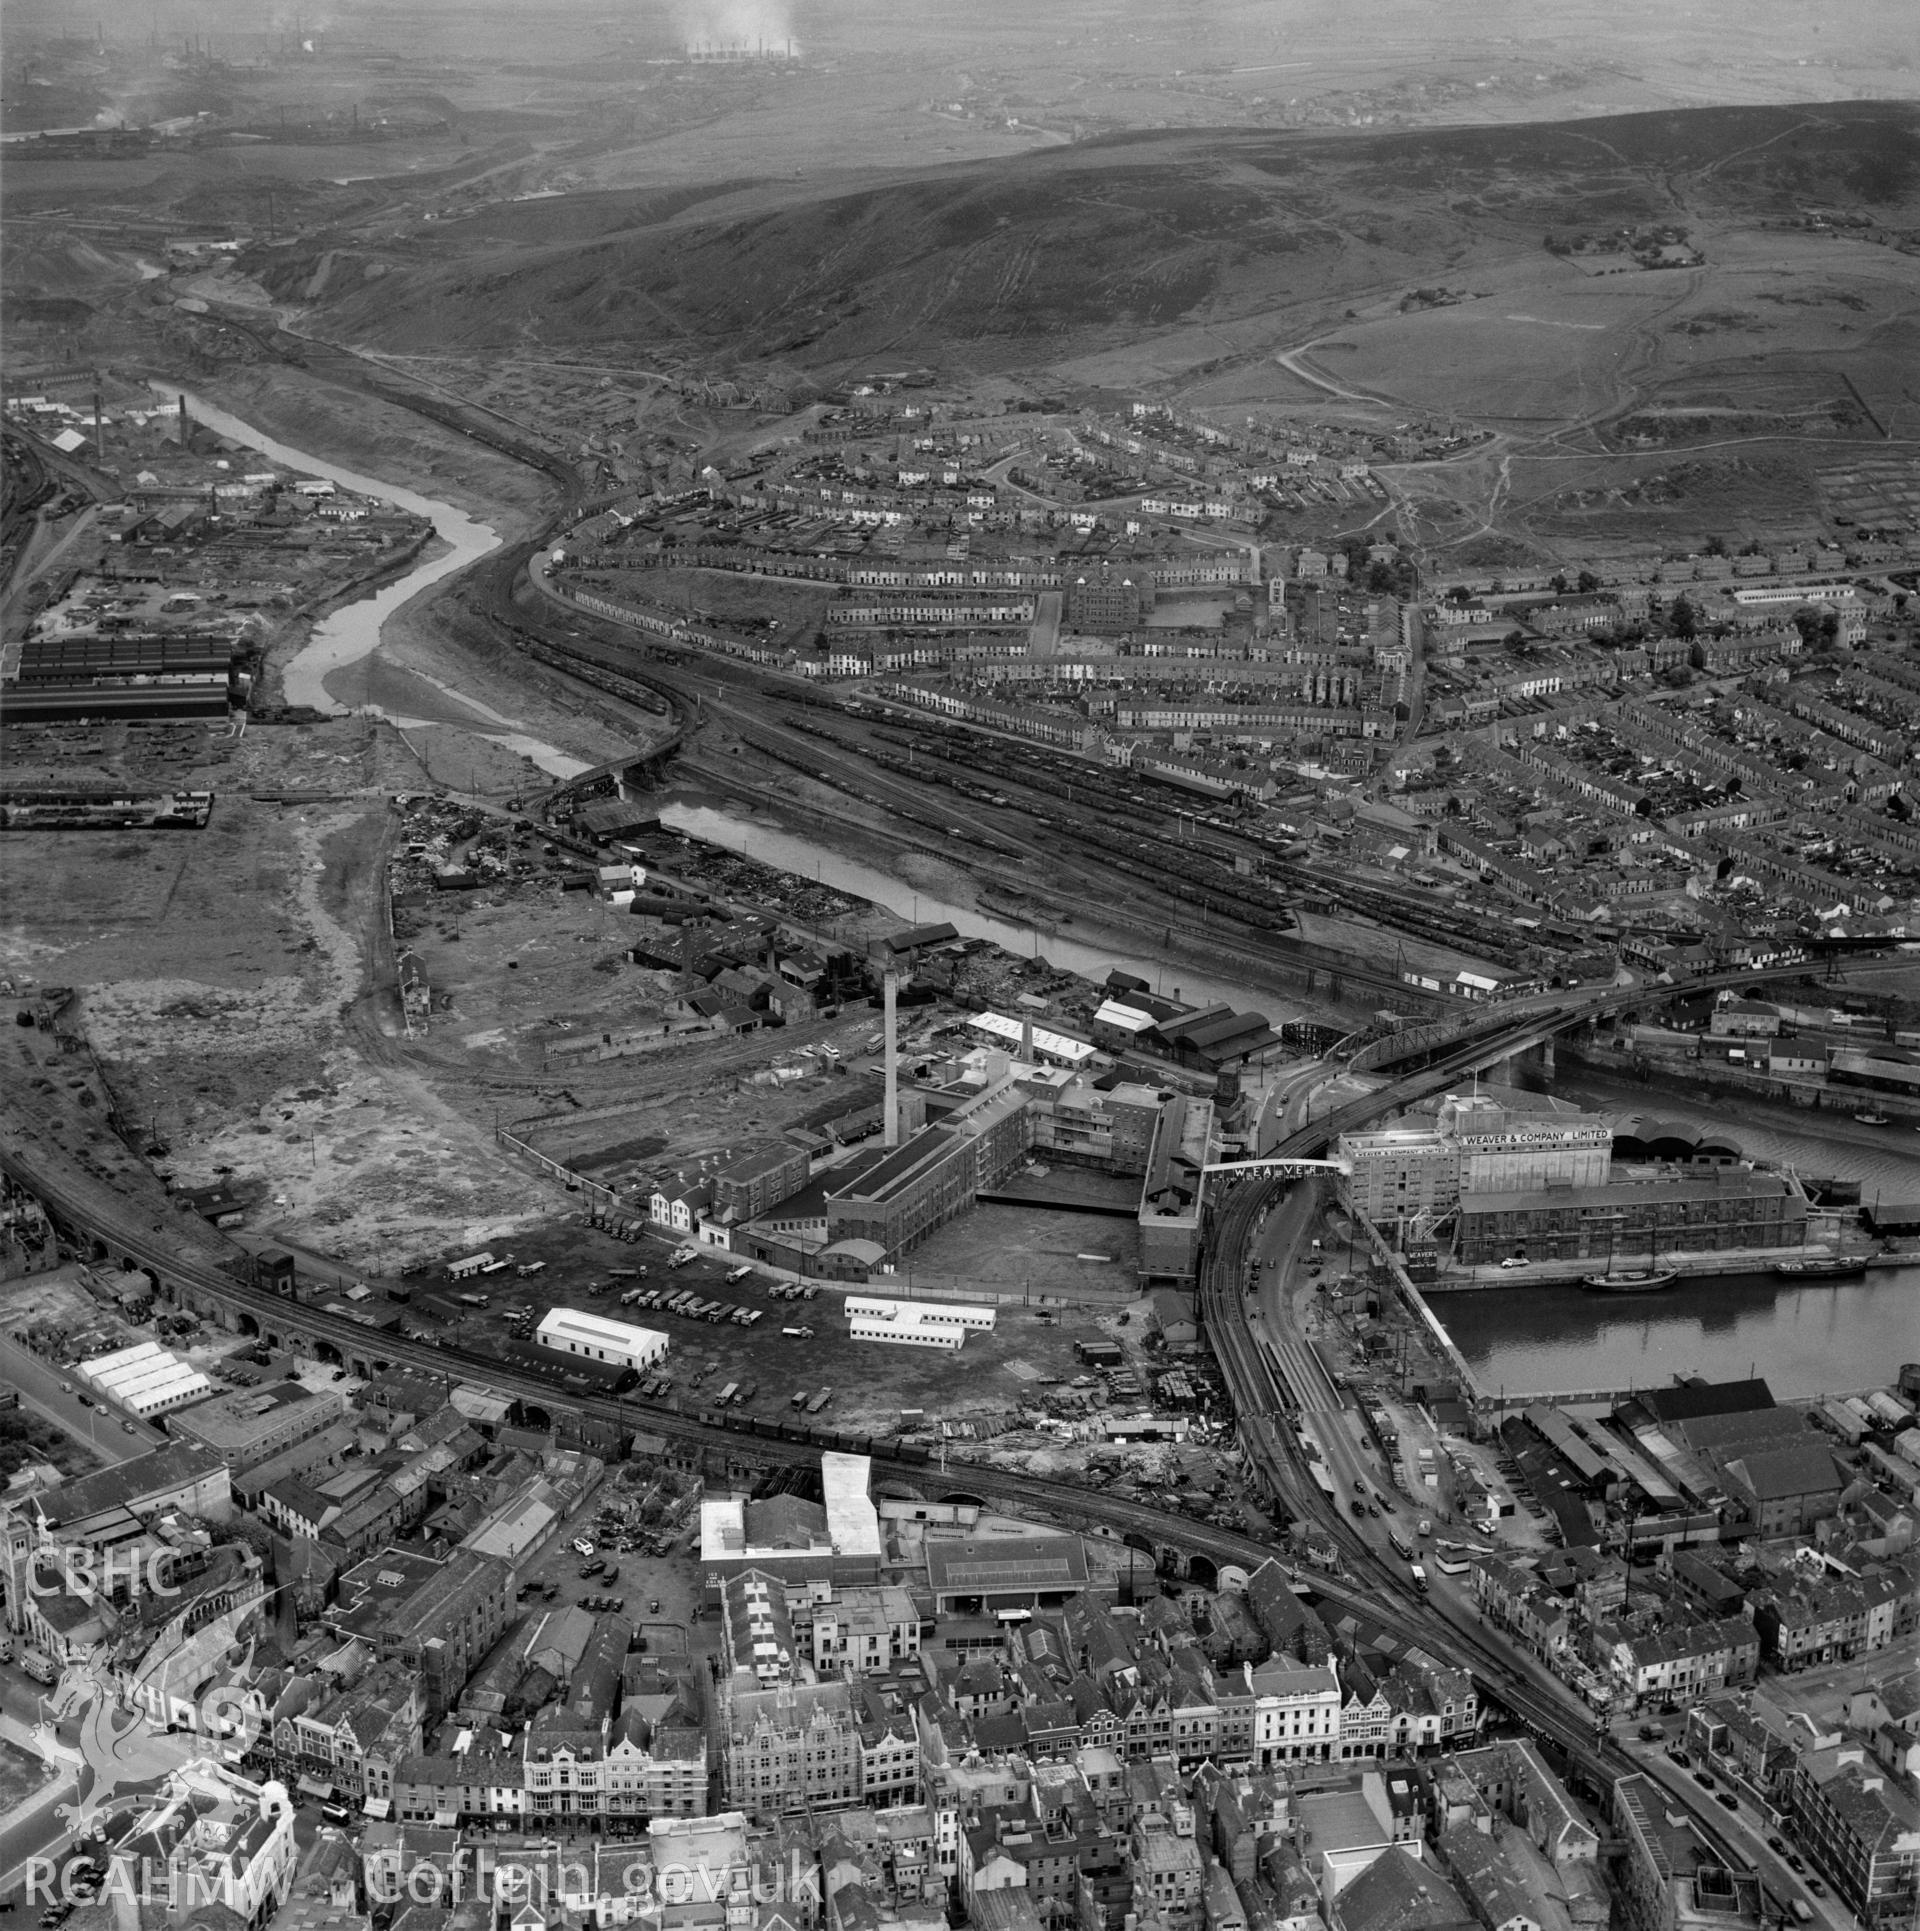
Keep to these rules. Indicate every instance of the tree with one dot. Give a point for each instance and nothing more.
(1715, 546)
(1683, 619)
(1586, 583)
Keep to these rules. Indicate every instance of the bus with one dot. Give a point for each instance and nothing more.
(1401, 1546)
(726, 1394)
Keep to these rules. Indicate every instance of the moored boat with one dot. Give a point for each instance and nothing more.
(1644, 1280)
(1822, 1267)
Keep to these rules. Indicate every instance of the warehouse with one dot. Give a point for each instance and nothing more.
(987, 1574)
(1033, 1043)
(915, 1324)
(567, 1331)
(145, 1379)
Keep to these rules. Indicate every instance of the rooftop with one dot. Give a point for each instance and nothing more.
(595, 1330)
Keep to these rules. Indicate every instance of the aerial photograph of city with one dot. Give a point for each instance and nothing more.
(961, 965)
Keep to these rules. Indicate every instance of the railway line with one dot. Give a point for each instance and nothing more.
(1264, 1401)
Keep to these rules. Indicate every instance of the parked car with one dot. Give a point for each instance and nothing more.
(1703, 1779)
(1726, 1800)
(1816, 1887)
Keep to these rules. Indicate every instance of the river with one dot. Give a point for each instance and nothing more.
(353, 631)
(1841, 1338)
(767, 841)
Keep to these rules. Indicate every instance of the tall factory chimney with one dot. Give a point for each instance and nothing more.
(1026, 1037)
(184, 426)
(889, 992)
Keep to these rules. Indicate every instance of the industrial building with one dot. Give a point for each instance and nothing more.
(837, 1538)
(915, 1324)
(173, 674)
(249, 1425)
(568, 1331)
(1041, 1043)
(1707, 1212)
(976, 1575)
(1173, 1194)
(145, 1379)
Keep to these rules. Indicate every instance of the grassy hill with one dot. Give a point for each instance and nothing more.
(1042, 256)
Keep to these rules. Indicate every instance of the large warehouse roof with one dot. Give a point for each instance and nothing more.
(596, 1331)
(1060, 1046)
(144, 1376)
(997, 1565)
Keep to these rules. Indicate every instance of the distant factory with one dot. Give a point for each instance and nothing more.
(742, 53)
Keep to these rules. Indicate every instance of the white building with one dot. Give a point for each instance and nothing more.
(1033, 1042)
(568, 1331)
(145, 1379)
(836, 1540)
(1296, 1713)
(915, 1324)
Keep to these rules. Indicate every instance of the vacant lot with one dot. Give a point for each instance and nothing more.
(872, 1382)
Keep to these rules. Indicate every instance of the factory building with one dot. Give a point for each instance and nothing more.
(836, 1539)
(568, 1331)
(915, 1324)
(1173, 1195)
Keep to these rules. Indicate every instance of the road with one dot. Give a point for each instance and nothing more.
(112, 1437)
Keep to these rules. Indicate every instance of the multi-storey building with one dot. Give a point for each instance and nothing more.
(1863, 1829)
(1682, 1664)
(1296, 1713)
(437, 1618)
(211, 1838)
(794, 1747)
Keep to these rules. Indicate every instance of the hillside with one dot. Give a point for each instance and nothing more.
(1045, 256)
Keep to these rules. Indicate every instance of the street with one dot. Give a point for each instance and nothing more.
(112, 1437)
